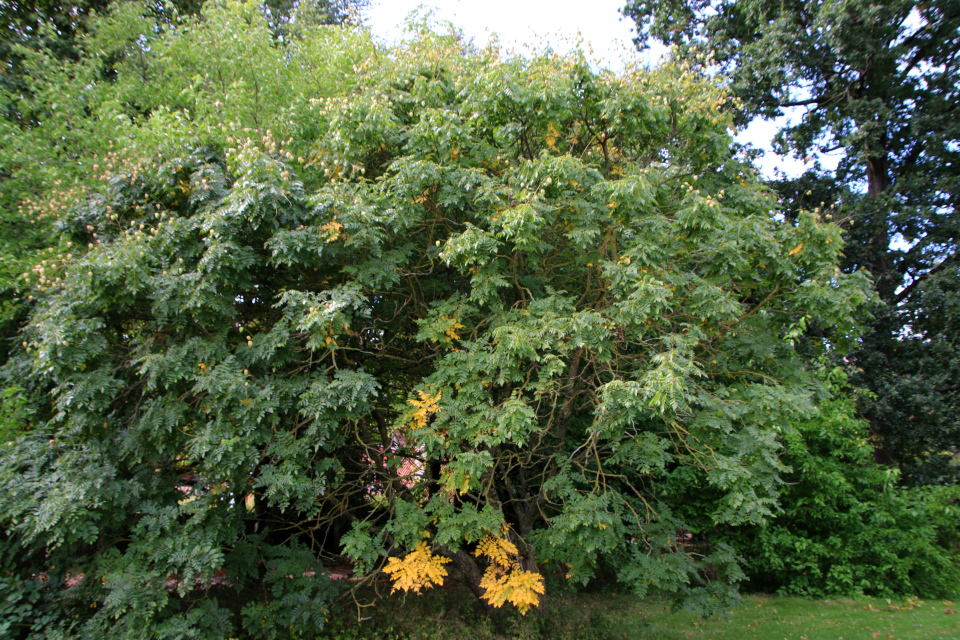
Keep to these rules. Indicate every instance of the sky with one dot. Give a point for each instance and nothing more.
(527, 25)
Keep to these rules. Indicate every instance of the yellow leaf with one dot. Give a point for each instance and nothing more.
(426, 406)
(249, 501)
(505, 580)
(551, 137)
(420, 569)
(332, 230)
(497, 549)
(796, 249)
(452, 325)
(520, 588)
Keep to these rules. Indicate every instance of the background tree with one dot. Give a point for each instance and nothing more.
(288, 18)
(845, 528)
(877, 81)
(455, 314)
(77, 81)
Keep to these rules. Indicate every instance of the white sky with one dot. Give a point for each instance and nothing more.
(525, 25)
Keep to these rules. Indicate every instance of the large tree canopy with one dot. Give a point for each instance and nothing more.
(877, 81)
(136, 79)
(465, 332)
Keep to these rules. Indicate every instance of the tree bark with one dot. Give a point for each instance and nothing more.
(469, 573)
(878, 178)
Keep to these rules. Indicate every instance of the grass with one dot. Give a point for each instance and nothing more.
(453, 614)
(763, 617)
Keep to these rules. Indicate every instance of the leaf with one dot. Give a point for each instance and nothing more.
(426, 406)
(420, 569)
(504, 579)
(331, 231)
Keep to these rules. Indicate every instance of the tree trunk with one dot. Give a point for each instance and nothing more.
(878, 180)
(469, 574)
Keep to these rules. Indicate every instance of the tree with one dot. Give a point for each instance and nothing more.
(171, 91)
(57, 29)
(879, 82)
(463, 334)
(845, 527)
(77, 81)
(288, 18)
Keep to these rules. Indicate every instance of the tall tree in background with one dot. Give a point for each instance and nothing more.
(56, 26)
(879, 82)
(288, 18)
(50, 31)
(63, 102)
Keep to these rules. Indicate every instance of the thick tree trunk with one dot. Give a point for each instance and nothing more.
(880, 453)
(571, 391)
(878, 180)
(469, 573)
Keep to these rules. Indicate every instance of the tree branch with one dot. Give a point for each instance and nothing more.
(820, 101)
(900, 297)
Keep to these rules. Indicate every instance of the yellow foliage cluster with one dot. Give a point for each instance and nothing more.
(552, 137)
(332, 230)
(420, 569)
(449, 481)
(452, 325)
(505, 580)
(499, 550)
(426, 406)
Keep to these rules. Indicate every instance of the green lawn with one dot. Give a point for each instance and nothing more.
(772, 617)
(452, 614)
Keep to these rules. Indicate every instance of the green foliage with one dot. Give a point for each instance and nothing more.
(299, 603)
(13, 413)
(24, 599)
(845, 529)
(466, 298)
(134, 89)
(877, 82)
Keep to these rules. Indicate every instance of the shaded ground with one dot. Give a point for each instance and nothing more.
(453, 614)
